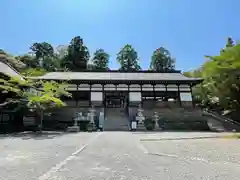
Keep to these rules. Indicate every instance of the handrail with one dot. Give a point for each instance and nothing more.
(220, 117)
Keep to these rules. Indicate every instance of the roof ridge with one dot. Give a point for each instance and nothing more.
(133, 72)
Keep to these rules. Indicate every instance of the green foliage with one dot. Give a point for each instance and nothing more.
(34, 94)
(31, 72)
(100, 60)
(161, 60)
(221, 84)
(128, 59)
(149, 124)
(77, 55)
(47, 97)
(29, 60)
(44, 57)
(42, 50)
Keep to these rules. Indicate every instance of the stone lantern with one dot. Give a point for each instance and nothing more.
(156, 118)
(140, 119)
(91, 114)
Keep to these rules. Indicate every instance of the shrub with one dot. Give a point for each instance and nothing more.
(149, 124)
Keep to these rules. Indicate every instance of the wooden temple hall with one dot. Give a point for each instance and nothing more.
(119, 94)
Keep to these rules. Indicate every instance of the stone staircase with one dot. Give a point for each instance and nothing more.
(220, 123)
(116, 119)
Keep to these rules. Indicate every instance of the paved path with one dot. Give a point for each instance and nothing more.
(119, 155)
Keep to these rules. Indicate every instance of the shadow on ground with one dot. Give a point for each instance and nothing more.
(173, 131)
(34, 135)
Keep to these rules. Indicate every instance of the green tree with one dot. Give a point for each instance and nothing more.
(77, 55)
(44, 54)
(11, 60)
(29, 60)
(230, 43)
(60, 55)
(42, 50)
(221, 84)
(100, 60)
(161, 60)
(223, 73)
(128, 59)
(36, 95)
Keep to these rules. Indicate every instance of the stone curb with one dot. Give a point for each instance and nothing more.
(184, 138)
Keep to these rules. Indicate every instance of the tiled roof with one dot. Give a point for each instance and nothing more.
(135, 76)
(8, 70)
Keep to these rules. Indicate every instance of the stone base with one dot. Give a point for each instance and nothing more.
(157, 128)
(141, 126)
(91, 127)
(73, 129)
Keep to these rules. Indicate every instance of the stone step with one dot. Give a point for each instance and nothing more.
(73, 129)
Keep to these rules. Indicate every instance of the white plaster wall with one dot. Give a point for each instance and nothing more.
(96, 87)
(135, 87)
(185, 96)
(160, 87)
(109, 87)
(135, 96)
(84, 87)
(172, 87)
(184, 87)
(147, 87)
(97, 96)
(122, 87)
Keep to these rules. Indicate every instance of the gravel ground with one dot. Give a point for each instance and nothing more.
(215, 151)
(119, 155)
(27, 157)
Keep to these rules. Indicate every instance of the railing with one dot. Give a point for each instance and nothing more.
(220, 117)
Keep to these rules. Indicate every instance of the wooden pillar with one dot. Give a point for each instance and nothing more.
(154, 91)
(141, 95)
(103, 96)
(77, 93)
(193, 104)
(166, 90)
(128, 102)
(179, 97)
(90, 102)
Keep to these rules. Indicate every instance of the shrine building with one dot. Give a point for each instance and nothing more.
(118, 94)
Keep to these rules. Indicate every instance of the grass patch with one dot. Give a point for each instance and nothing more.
(233, 136)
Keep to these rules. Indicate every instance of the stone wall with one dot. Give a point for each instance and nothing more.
(187, 104)
(66, 114)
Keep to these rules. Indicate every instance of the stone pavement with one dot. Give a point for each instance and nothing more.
(119, 155)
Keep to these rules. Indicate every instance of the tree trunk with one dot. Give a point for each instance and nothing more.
(41, 121)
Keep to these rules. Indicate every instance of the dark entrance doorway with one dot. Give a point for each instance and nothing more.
(115, 99)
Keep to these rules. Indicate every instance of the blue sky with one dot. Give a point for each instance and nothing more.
(190, 29)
